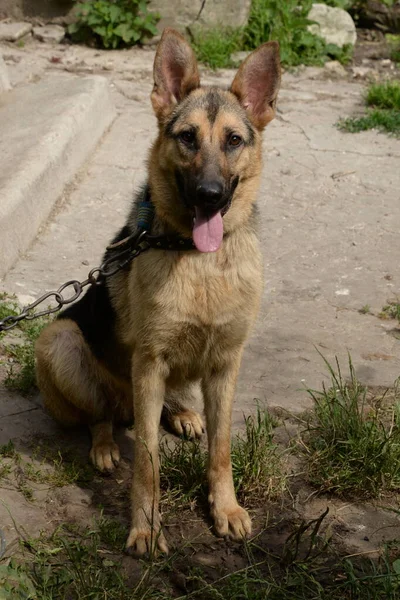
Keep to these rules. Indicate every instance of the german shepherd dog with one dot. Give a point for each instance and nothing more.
(174, 323)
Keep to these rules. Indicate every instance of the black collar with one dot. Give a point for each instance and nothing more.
(142, 237)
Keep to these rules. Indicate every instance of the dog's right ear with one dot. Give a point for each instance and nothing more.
(175, 72)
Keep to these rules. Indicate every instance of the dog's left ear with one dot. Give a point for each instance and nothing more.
(175, 72)
(257, 82)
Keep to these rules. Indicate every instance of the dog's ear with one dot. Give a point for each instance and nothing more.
(175, 72)
(257, 82)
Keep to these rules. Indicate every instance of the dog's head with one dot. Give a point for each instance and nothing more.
(205, 165)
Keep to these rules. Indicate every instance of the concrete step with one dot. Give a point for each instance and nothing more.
(94, 206)
(47, 131)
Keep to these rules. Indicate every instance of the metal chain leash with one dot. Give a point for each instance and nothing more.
(97, 275)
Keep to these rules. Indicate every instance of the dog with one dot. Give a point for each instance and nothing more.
(174, 322)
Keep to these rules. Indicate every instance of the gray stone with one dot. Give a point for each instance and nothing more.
(183, 13)
(334, 69)
(11, 32)
(49, 33)
(48, 130)
(44, 9)
(4, 79)
(238, 57)
(334, 25)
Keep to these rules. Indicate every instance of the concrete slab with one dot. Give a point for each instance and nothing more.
(48, 130)
(11, 32)
(5, 85)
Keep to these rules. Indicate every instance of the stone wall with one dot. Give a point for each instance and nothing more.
(175, 13)
(180, 13)
(44, 9)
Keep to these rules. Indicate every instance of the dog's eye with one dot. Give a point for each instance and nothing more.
(187, 137)
(235, 140)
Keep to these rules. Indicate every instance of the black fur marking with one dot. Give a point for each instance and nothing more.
(214, 103)
(95, 316)
(170, 125)
(250, 131)
(180, 183)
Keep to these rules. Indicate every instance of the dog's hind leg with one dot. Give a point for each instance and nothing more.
(76, 389)
(183, 421)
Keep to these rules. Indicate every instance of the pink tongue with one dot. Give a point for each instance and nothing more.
(208, 231)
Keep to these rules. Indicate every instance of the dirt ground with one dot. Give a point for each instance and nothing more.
(330, 219)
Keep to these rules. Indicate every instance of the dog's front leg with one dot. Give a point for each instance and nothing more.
(149, 377)
(219, 388)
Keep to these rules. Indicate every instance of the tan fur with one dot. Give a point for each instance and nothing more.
(182, 317)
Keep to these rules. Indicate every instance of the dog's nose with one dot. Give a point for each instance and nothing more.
(209, 192)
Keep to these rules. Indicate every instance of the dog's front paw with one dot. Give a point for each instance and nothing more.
(146, 541)
(233, 522)
(105, 456)
(187, 423)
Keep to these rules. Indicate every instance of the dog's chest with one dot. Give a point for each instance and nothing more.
(207, 290)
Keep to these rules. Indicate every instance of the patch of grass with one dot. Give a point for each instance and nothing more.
(257, 467)
(25, 490)
(8, 305)
(73, 566)
(384, 114)
(58, 475)
(391, 310)
(384, 95)
(20, 376)
(394, 43)
(112, 532)
(15, 583)
(62, 467)
(215, 46)
(56, 469)
(183, 471)
(8, 450)
(77, 563)
(5, 469)
(365, 310)
(387, 121)
(352, 443)
(286, 22)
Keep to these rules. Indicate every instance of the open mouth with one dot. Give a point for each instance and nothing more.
(208, 228)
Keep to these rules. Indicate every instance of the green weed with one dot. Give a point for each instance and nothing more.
(257, 467)
(183, 471)
(77, 563)
(215, 46)
(391, 310)
(287, 22)
(365, 310)
(384, 114)
(74, 566)
(352, 443)
(115, 23)
(20, 374)
(111, 532)
(386, 121)
(394, 43)
(384, 95)
(8, 450)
